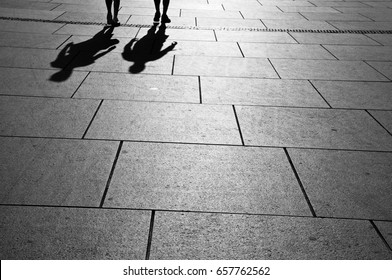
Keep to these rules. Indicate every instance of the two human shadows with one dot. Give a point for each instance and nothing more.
(139, 51)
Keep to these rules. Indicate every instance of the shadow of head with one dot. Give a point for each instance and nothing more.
(83, 53)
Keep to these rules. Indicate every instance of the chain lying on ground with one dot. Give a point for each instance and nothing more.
(254, 29)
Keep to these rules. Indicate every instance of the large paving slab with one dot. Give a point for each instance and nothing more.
(306, 9)
(256, 37)
(333, 39)
(379, 53)
(163, 88)
(270, 92)
(29, 5)
(230, 22)
(311, 128)
(80, 8)
(384, 39)
(45, 117)
(346, 184)
(54, 172)
(205, 178)
(326, 70)
(28, 40)
(256, 14)
(295, 51)
(224, 67)
(222, 236)
(36, 82)
(356, 95)
(334, 16)
(78, 29)
(384, 117)
(202, 48)
(89, 17)
(210, 13)
(142, 11)
(361, 25)
(72, 234)
(383, 67)
(184, 34)
(144, 20)
(386, 231)
(30, 14)
(29, 27)
(297, 24)
(33, 58)
(168, 122)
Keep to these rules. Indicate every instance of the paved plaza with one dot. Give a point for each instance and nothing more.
(243, 129)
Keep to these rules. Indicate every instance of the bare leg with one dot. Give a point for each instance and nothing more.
(116, 7)
(109, 8)
(165, 18)
(157, 12)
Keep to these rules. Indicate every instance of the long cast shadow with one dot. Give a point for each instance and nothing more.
(87, 53)
(146, 49)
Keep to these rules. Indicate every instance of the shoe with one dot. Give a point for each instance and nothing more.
(115, 22)
(157, 16)
(165, 19)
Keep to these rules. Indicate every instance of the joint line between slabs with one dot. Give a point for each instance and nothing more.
(79, 87)
(238, 126)
(300, 183)
(380, 235)
(111, 174)
(378, 122)
(200, 96)
(150, 233)
(239, 47)
(273, 67)
(174, 61)
(325, 100)
(92, 119)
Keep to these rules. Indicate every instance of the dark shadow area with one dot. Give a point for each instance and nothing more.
(87, 53)
(148, 48)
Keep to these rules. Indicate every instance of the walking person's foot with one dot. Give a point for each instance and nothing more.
(156, 17)
(115, 22)
(165, 19)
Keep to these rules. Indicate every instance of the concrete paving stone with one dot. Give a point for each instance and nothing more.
(384, 16)
(55, 233)
(311, 128)
(380, 4)
(346, 184)
(334, 16)
(224, 67)
(338, 4)
(222, 236)
(231, 22)
(80, 8)
(362, 11)
(298, 24)
(326, 70)
(333, 39)
(205, 178)
(85, 2)
(255, 37)
(29, 40)
(84, 43)
(356, 95)
(361, 25)
(383, 53)
(271, 92)
(147, 11)
(167, 122)
(13, 4)
(383, 67)
(249, 14)
(384, 39)
(196, 48)
(54, 172)
(384, 117)
(236, 6)
(45, 117)
(89, 17)
(261, 9)
(386, 231)
(32, 14)
(148, 20)
(283, 3)
(35, 82)
(210, 14)
(31, 58)
(91, 30)
(295, 9)
(184, 34)
(141, 87)
(29, 27)
(295, 51)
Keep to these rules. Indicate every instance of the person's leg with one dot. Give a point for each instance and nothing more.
(157, 12)
(109, 8)
(165, 18)
(116, 7)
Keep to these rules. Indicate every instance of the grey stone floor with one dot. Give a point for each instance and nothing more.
(231, 144)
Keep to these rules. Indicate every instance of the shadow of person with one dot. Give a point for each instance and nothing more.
(148, 48)
(86, 53)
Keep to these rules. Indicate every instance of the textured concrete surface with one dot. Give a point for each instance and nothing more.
(208, 138)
